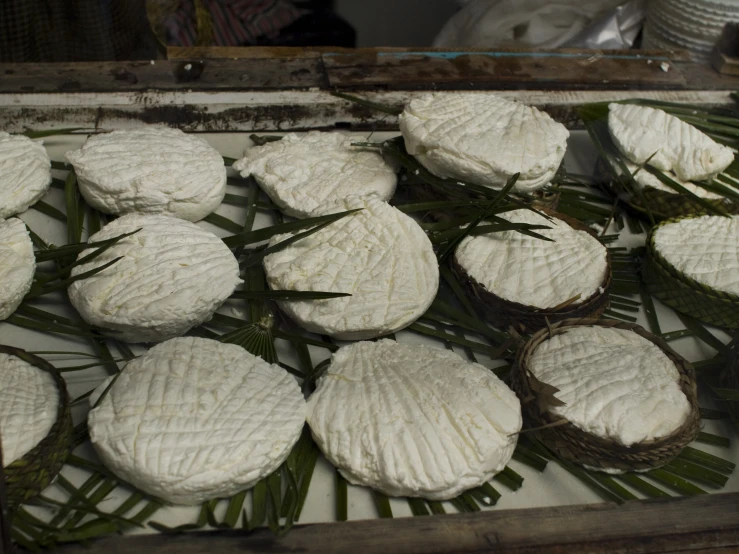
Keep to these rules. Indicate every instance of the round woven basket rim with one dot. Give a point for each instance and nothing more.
(730, 375)
(63, 421)
(518, 310)
(673, 272)
(613, 454)
(681, 205)
(428, 193)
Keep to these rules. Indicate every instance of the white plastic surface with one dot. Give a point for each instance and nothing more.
(555, 487)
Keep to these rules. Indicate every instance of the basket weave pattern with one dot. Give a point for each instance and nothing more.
(523, 318)
(32, 473)
(423, 192)
(730, 375)
(685, 294)
(572, 443)
(662, 204)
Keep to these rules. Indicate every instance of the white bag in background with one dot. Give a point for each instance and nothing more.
(535, 23)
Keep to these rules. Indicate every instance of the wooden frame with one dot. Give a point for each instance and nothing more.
(244, 89)
(258, 89)
(704, 524)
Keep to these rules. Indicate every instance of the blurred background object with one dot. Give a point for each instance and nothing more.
(694, 25)
(96, 30)
(398, 23)
(74, 30)
(543, 24)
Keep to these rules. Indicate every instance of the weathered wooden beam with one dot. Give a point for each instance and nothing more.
(284, 110)
(705, 523)
(371, 69)
(475, 70)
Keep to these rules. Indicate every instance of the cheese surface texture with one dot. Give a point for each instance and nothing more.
(25, 173)
(172, 276)
(640, 132)
(379, 255)
(531, 271)
(412, 420)
(483, 139)
(704, 248)
(302, 172)
(29, 401)
(17, 264)
(153, 170)
(195, 419)
(614, 383)
(644, 179)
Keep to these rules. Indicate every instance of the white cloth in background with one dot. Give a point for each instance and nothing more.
(520, 23)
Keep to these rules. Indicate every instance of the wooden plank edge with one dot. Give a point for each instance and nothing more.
(260, 111)
(250, 52)
(647, 526)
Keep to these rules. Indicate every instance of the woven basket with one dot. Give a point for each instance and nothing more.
(687, 295)
(423, 192)
(662, 204)
(527, 319)
(32, 473)
(730, 375)
(572, 443)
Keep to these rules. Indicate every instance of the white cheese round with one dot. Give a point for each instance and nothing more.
(703, 248)
(411, 420)
(17, 264)
(531, 271)
(641, 133)
(195, 419)
(614, 383)
(152, 170)
(302, 172)
(378, 255)
(172, 276)
(645, 179)
(484, 139)
(29, 401)
(25, 173)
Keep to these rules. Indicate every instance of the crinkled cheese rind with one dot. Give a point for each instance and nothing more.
(614, 383)
(704, 248)
(152, 170)
(531, 271)
(300, 173)
(25, 173)
(379, 255)
(641, 133)
(17, 265)
(483, 139)
(195, 419)
(172, 276)
(412, 420)
(29, 400)
(645, 179)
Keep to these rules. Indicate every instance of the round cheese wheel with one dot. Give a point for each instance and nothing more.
(531, 271)
(379, 255)
(649, 135)
(171, 276)
(703, 248)
(412, 420)
(17, 265)
(195, 419)
(300, 173)
(483, 139)
(29, 400)
(153, 170)
(614, 383)
(25, 173)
